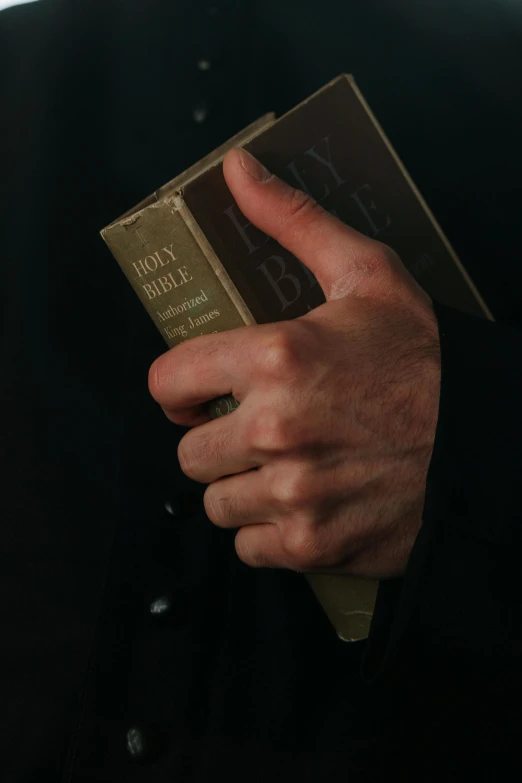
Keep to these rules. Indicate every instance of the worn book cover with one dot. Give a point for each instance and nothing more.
(199, 266)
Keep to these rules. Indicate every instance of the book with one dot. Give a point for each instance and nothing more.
(198, 266)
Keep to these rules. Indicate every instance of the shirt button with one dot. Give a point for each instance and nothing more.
(160, 605)
(171, 609)
(169, 509)
(199, 114)
(141, 745)
(136, 744)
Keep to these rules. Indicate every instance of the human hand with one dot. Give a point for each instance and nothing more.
(323, 466)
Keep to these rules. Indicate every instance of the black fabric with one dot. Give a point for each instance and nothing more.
(458, 608)
(243, 678)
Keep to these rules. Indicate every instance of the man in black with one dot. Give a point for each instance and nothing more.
(135, 644)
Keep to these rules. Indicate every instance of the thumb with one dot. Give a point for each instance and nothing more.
(342, 259)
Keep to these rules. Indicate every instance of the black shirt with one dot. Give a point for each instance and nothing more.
(135, 645)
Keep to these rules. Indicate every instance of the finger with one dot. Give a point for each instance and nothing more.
(259, 546)
(240, 500)
(340, 257)
(216, 449)
(286, 544)
(188, 417)
(199, 370)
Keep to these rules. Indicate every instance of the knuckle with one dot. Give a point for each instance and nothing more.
(301, 206)
(303, 545)
(271, 433)
(293, 489)
(383, 262)
(384, 253)
(280, 354)
(375, 265)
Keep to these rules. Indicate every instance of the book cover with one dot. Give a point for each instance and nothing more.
(198, 265)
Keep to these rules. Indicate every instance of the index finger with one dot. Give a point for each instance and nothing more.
(186, 377)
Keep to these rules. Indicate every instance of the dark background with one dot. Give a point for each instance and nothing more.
(102, 101)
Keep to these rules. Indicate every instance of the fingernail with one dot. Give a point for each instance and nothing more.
(253, 167)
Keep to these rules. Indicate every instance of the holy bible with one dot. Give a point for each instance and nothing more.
(199, 266)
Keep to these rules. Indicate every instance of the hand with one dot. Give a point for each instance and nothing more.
(323, 466)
